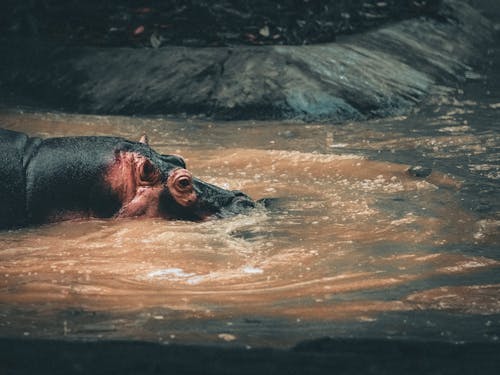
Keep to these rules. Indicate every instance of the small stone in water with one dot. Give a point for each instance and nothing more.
(419, 171)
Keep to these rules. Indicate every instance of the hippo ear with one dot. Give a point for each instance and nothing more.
(148, 173)
(144, 139)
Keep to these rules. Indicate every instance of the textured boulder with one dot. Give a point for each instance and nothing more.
(379, 73)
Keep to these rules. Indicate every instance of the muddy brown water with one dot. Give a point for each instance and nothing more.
(354, 247)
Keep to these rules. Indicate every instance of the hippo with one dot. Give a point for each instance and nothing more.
(54, 179)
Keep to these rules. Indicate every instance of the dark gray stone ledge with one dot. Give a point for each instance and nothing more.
(380, 73)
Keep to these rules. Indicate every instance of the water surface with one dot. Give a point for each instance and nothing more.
(355, 246)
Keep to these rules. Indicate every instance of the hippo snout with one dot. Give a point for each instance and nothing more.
(209, 201)
(239, 195)
(228, 203)
(241, 202)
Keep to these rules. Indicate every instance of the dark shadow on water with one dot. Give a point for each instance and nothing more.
(323, 356)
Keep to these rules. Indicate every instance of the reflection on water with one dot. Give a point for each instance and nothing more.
(354, 246)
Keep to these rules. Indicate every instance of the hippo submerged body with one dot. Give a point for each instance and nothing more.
(47, 180)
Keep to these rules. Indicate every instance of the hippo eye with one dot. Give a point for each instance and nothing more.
(180, 186)
(184, 183)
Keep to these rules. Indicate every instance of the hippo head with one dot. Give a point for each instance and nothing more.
(154, 185)
(61, 178)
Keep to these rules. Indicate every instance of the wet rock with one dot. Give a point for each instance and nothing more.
(380, 73)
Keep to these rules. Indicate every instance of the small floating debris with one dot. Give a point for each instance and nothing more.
(419, 171)
(455, 129)
(338, 145)
(226, 337)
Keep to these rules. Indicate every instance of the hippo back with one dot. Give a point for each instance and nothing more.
(15, 151)
(66, 175)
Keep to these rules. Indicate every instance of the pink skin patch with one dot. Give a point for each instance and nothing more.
(138, 184)
(145, 203)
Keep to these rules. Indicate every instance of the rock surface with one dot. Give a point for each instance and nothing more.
(379, 73)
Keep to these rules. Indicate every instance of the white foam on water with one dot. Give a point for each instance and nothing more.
(169, 273)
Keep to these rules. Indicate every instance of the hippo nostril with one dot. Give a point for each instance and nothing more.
(243, 202)
(246, 204)
(238, 193)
